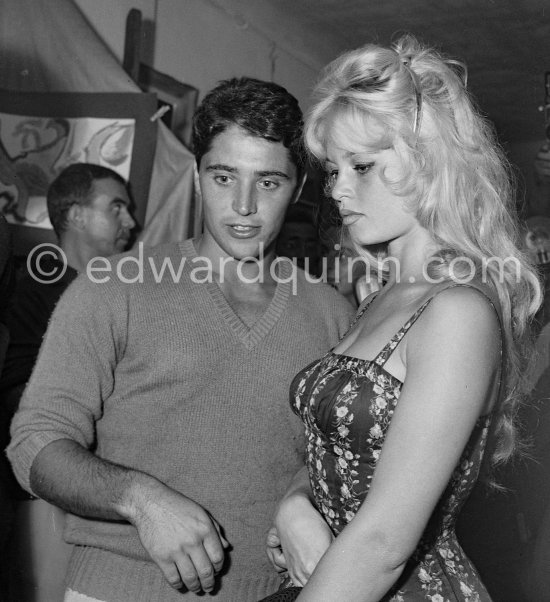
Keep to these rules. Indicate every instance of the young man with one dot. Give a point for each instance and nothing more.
(168, 436)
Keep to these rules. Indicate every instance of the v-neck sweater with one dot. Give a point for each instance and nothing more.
(166, 378)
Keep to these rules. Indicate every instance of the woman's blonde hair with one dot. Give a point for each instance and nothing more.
(455, 171)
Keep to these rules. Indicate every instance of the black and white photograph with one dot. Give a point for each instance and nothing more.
(274, 321)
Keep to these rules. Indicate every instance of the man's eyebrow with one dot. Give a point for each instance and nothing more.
(272, 172)
(117, 199)
(221, 167)
(264, 173)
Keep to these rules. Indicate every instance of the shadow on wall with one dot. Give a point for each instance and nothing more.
(31, 549)
(507, 533)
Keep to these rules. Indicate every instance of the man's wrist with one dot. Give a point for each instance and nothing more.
(139, 490)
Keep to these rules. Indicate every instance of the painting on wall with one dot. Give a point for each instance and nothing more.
(42, 133)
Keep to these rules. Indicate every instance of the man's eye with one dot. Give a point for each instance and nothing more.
(268, 184)
(221, 179)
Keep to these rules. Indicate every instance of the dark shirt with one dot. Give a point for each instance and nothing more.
(7, 274)
(28, 316)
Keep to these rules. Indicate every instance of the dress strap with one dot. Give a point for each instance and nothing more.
(389, 348)
(361, 310)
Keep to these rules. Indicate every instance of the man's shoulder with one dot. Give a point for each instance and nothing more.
(143, 250)
(47, 285)
(141, 264)
(319, 292)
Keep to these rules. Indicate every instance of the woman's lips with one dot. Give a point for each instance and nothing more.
(350, 218)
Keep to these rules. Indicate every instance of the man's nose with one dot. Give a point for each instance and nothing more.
(245, 202)
(127, 220)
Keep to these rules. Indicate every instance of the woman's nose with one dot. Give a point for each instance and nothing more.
(340, 188)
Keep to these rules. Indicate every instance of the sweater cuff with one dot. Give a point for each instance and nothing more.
(21, 454)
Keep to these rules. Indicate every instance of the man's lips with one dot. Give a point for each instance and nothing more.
(243, 230)
(123, 239)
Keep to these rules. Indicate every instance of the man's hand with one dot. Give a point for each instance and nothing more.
(181, 537)
(178, 534)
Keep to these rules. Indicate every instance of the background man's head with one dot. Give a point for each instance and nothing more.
(262, 109)
(89, 206)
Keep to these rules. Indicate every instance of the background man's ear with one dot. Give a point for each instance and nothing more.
(75, 216)
(298, 190)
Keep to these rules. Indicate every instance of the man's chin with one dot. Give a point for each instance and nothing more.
(255, 251)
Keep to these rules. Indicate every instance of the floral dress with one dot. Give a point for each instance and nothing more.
(346, 404)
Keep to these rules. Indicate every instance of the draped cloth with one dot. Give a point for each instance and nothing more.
(49, 46)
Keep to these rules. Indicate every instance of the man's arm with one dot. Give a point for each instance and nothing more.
(55, 427)
(179, 535)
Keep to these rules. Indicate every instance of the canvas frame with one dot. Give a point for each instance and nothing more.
(178, 100)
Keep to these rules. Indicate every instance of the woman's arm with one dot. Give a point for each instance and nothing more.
(303, 534)
(452, 358)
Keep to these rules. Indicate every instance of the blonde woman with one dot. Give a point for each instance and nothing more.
(398, 414)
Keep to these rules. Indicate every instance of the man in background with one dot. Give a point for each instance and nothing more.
(89, 209)
(169, 437)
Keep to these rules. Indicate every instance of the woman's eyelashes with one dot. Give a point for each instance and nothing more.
(330, 180)
(363, 168)
(332, 174)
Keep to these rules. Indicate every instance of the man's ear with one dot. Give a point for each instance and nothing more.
(196, 178)
(198, 221)
(298, 189)
(76, 217)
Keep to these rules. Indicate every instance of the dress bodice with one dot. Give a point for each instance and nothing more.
(347, 404)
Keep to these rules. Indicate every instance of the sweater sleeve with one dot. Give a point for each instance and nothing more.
(74, 373)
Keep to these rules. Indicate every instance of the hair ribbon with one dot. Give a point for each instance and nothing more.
(406, 62)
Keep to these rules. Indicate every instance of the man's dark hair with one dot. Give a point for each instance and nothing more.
(263, 109)
(72, 187)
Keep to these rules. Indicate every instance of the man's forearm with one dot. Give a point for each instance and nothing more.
(178, 534)
(69, 476)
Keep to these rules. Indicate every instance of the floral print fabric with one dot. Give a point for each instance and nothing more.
(346, 405)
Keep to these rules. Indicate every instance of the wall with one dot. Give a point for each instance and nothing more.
(537, 193)
(200, 42)
(108, 18)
